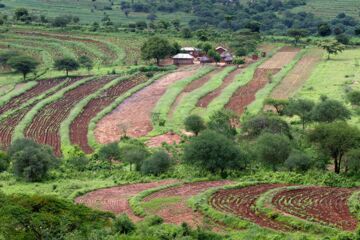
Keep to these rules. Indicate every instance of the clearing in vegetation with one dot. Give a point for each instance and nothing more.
(45, 126)
(134, 114)
(177, 211)
(298, 75)
(263, 74)
(116, 199)
(79, 127)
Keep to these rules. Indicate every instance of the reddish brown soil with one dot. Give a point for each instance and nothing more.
(7, 125)
(242, 203)
(38, 89)
(191, 87)
(247, 94)
(79, 127)
(169, 138)
(115, 199)
(179, 212)
(134, 114)
(322, 204)
(45, 126)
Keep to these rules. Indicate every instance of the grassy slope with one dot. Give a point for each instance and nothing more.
(332, 78)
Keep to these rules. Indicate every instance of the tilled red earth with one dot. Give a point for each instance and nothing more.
(45, 126)
(179, 212)
(241, 202)
(115, 199)
(7, 125)
(79, 127)
(323, 204)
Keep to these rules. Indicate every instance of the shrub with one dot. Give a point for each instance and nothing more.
(194, 123)
(353, 161)
(134, 154)
(223, 122)
(298, 161)
(123, 224)
(157, 163)
(110, 152)
(330, 110)
(354, 97)
(4, 161)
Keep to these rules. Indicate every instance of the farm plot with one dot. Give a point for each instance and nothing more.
(79, 127)
(263, 74)
(321, 204)
(241, 202)
(45, 126)
(135, 112)
(298, 75)
(171, 203)
(116, 199)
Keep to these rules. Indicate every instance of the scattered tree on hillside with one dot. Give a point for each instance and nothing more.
(353, 161)
(297, 34)
(23, 64)
(21, 14)
(156, 48)
(133, 152)
(214, 152)
(6, 56)
(273, 149)
(354, 97)
(157, 163)
(123, 224)
(298, 161)
(195, 124)
(324, 30)
(67, 64)
(279, 104)
(110, 152)
(214, 55)
(335, 140)
(329, 110)
(223, 122)
(86, 62)
(332, 47)
(302, 108)
(4, 161)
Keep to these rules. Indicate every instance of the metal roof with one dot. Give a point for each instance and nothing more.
(183, 56)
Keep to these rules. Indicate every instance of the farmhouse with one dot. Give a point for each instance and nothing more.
(205, 59)
(221, 50)
(183, 59)
(195, 52)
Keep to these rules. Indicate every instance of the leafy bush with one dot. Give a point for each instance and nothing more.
(134, 152)
(194, 123)
(330, 110)
(123, 224)
(353, 161)
(298, 161)
(354, 97)
(4, 161)
(110, 152)
(157, 163)
(223, 122)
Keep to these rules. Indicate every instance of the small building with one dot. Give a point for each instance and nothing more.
(228, 60)
(195, 52)
(221, 50)
(183, 59)
(205, 59)
(225, 55)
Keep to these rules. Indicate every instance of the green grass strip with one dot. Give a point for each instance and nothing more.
(164, 104)
(135, 202)
(241, 80)
(17, 92)
(258, 104)
(188, 104)
(264, 206)
(354, 204)
(20, 128)
(78, 108)
(115, 104)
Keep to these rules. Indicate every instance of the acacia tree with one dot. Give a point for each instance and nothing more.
(195, 124)
(156, 48)
(67, 64)
(335, 140)
(302, 108)
(329, 110)
(332, 47)
(23, 64)
(297, 34)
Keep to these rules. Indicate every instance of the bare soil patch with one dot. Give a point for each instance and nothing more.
(115, 199)
(79, 127)
(241, 202)
(134, 114)
(169, 138)
(322, 204)
(298, 76)
(45, 126)
(178, 212)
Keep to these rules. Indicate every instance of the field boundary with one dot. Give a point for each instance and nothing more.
(20, 128)
(354, 204)
(7, 97)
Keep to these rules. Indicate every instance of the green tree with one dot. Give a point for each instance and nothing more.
(156, 48)
(273, 149)
(23, 64)
(223, 122)
(354, 97)
(353, 161)
(67, 64)
(156, 164)
(335, 140)
(332, 47)
(297, 34)
(31, 161)
(4, 161)
(214, 152)
(76, 159)
(214, 55)
(195, 124)
(279, 104)
(186, 33)
(21, 14)
(324, 30)
(298, 161)
(330, 110)
(86, 62)
(302, 108)
(123, 224)
(134, 154)
(110, 152)
(6, 56)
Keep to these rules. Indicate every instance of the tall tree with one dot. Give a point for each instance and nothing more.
(297, 34)
(23, 64)
(302, 108)
(156, 48)
(332, 47)
(67, 64)
(329, 110)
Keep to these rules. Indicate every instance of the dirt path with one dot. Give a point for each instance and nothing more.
(322, 204)
(247, 94)
(177, 212)
(115, 199)
(134, 113)
(298, 76)
(242, 201)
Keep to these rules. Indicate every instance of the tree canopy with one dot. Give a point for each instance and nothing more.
(156, 48)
